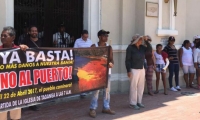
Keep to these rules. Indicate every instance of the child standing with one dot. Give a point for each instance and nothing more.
(160, 57)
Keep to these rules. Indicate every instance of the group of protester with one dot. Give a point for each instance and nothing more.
(61, 38)
(84, 42)
(8, 36)
(142, 61)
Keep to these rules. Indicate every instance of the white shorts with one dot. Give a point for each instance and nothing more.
(188, 69)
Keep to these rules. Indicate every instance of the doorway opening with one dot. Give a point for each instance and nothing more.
(47, 15)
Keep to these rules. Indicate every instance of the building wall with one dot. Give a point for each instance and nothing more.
(192, 18)
(140, 17)
(111, 19)
(124, 18)
(120, 20)
(2, 14)
(128, 17)
(181, 22)
(151, 23)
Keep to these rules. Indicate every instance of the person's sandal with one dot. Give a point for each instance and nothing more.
(191, 86)
(198, 87)
(156, 92)
(151, 94)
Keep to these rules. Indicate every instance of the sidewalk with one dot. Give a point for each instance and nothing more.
(173, 106)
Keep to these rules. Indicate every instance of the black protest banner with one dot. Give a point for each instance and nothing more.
(43, 74)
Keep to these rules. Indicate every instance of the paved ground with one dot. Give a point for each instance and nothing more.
(174, 106)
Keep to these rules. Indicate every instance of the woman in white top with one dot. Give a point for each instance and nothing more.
(197, 62)
(196, 39)
(186, 62)
(160, 57)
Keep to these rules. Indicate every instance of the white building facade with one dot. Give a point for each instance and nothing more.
(124, 18)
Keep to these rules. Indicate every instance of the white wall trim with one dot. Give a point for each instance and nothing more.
(166, 32)
(124, 77)
(92, 18)
(10, 13)
(116, 76)
(172, 17)
(160, 15)
(118, 48)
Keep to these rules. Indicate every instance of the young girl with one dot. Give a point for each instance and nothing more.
(160, 57)
(186, 63)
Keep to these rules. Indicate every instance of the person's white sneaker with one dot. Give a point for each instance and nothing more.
(178, 88)
(173, 89)
(192, 83)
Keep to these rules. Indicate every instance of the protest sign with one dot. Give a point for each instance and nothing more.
(44, 74)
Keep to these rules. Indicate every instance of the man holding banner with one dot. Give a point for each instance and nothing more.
(103, 38)
(39, 75)
(33, 41)
(7, 38)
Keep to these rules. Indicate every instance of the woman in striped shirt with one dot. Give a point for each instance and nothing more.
(172, 52)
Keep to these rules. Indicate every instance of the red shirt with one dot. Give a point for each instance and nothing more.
(14, 46)
(164, 55)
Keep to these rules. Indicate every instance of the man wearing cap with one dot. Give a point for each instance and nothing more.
(61, 38)
(135, 55)
(82, 42)
(103, 38)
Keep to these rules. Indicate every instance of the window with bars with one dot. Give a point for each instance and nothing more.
(47, 15)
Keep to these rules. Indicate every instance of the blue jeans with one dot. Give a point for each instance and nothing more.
(106, 97)
(173, 68)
